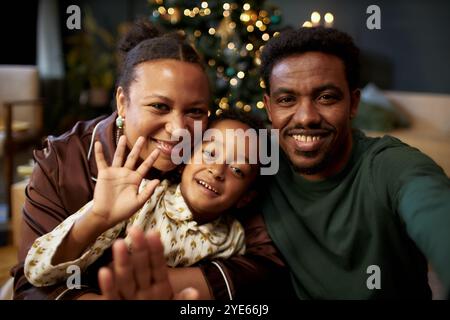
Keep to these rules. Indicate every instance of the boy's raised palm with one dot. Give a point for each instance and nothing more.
(116, 196)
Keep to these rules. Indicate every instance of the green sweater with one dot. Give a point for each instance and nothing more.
(389, 207)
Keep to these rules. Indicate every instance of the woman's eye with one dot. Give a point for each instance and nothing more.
(160, 106)
(197, 112)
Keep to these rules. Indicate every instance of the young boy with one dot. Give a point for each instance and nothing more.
(190, 216)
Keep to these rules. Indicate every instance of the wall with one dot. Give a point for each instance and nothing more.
(409, 53)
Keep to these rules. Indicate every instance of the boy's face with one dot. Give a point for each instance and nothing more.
(210, 189)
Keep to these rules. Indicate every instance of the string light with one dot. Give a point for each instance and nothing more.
(315, 18)
(246, 6)
(262, 84)
(266, 20)
(212, 31)
(171, 11)
(249, 47)
(204, 4)
(159, 1)
(207, 11)
(245, 17)
(239, 104)
(162, 10)
(276, 34)
(250, 28)
(258, 23)
(226, 13)
(187, 12)
(218, 112)
(226, 6)
(196, 10)
(197, 33)
(241, 75)
(307, 24)
(260, 105)
(233, 81)
(231, 45)
(265, 37)
(247, 108)
(232, 25)
(262, 28)
(212, 62)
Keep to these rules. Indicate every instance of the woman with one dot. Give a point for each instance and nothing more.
(162, 87)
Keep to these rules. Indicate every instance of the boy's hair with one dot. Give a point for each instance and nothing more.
(319, 39)
(238, 115)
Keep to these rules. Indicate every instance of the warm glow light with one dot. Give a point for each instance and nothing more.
(241, 75)
(212, 62)
(260, 104)
(239, 104)
(171, 11)
(233, 81)
(196, 10)
(197, 33)
(262, 84)
(232, 25)
(162, 10)
(212, 31)
(328, 17)
(247, 108)
(276, 34)
(266, 20)
(315, 17)
(226, 13)
(226, 6)
(207, 11)
(245, 17)
(204, 4)
(257, 61)
(250, 28)
(246, 6)
(307, 24)
(249, 47)
(263, 28)
(265, 37)
(186, 12)
(231, 45)
(259, 23)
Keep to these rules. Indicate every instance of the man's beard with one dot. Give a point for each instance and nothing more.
(324, 163)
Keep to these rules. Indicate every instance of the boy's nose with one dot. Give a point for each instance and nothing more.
(217, 172)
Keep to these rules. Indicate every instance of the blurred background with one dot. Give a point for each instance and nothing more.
(52, 76)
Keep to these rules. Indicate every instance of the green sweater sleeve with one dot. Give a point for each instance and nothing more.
(418, 190)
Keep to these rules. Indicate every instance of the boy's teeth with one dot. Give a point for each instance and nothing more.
(305, 138)
(203, 183)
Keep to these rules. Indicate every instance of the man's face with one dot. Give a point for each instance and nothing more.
(311, 104)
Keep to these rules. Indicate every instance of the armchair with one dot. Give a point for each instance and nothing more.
(20, 116)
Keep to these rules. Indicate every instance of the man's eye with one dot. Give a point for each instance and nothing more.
(160, 106)
(327, 98)
(285, 100)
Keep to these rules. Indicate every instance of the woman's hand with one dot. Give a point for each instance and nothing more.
(141, 274)
(116, 196)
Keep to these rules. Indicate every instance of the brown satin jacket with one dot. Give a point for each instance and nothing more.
(63, 181)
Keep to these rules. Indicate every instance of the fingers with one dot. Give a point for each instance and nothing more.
(147, 192)
(140, 258)
(99, 157)
(187, 294)
(157, 261)
(148, 163)
(123, 270)
(133, 156)
(120, 152)
(107, 284)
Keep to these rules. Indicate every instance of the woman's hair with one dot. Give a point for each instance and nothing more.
(145, 42)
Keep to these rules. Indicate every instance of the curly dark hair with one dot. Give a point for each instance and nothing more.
(320, 39)
(146, 42)
(250, 120)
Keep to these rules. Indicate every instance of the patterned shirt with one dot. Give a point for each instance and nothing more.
(185, 242)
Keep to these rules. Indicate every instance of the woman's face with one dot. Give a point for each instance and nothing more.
(164, 95)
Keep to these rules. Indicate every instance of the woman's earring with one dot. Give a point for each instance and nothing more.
(120, 121)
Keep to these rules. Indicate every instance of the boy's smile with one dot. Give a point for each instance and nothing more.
(220, 181)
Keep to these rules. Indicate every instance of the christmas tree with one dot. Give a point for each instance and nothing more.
(230, 36)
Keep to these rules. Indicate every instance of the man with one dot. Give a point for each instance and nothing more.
(354, 217)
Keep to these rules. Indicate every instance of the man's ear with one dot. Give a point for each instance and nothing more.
(267, 105)
(121, 102)
(246, 199)
(355, 97)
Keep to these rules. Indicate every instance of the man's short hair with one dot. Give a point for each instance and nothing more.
(319, 39)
